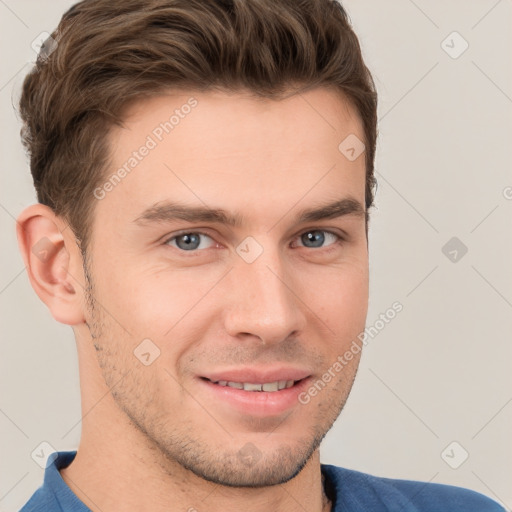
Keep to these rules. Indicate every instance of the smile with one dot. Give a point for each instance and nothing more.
(250, 386)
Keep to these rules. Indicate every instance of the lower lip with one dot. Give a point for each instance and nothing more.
(258, 403)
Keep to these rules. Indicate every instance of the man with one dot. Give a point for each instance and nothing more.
(204, 173)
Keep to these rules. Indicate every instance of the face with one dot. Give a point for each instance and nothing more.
(211, 276)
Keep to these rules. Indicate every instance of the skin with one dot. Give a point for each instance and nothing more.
(152, 438)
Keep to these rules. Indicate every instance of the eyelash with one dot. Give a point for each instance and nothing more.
(339, 240)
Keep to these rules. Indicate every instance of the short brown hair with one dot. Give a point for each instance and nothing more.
(111, 53)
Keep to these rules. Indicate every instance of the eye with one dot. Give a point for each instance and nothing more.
(188, 241)
(192, 240)
(315, 238)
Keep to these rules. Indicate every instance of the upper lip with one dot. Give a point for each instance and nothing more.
(257, 376)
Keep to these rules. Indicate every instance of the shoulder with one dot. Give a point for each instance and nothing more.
(54, 495)
(41, 500)
(357, 489)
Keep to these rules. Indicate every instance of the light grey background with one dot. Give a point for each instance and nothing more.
(437, 373)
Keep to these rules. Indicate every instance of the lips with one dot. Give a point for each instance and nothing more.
(266, 392)
(261, 392)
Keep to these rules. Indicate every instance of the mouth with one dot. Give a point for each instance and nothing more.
(270, 387)
(256, 395)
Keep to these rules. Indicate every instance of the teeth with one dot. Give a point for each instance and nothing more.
(252, 387)
(249, 386)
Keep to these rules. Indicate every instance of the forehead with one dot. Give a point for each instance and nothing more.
(219, 120)
(217, 147)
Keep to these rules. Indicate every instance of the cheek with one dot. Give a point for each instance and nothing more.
(157, 303)
(149, 301)
(342, 302)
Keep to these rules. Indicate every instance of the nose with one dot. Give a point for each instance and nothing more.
(263, 300)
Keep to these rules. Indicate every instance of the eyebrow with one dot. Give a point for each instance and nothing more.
(167, 211)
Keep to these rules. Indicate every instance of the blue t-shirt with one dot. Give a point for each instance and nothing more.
(348, 490)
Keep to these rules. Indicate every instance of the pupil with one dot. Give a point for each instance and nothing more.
(189, 240)
(315, 236)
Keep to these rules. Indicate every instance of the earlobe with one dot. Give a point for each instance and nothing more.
(50, 258)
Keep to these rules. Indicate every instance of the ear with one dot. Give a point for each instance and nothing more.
(53, 262)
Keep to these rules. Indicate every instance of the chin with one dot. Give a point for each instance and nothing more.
(264, 473)
(248, 466)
